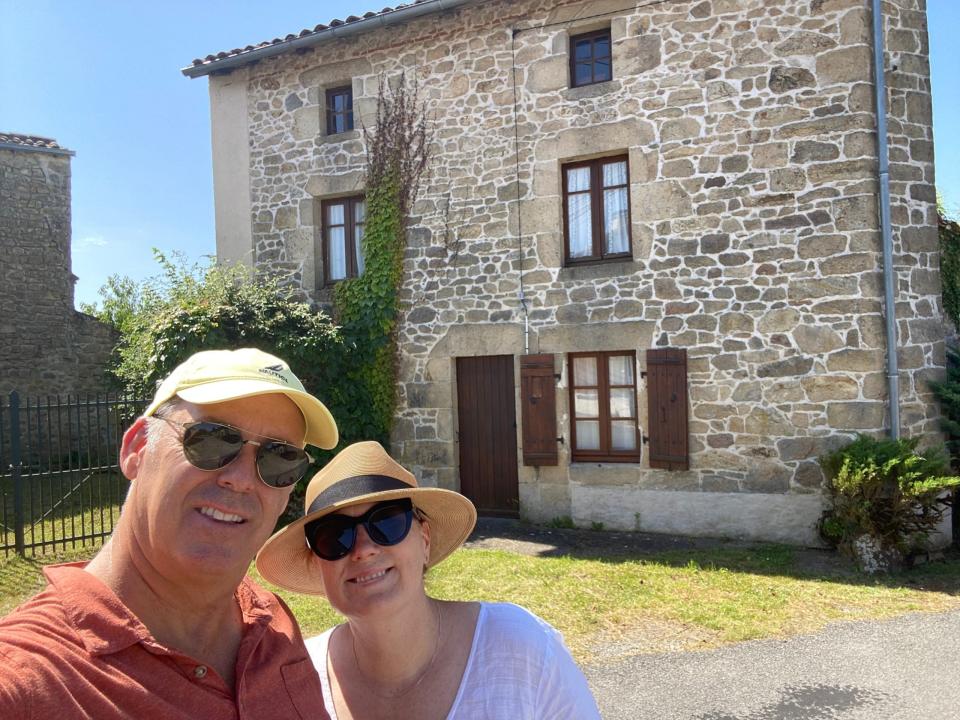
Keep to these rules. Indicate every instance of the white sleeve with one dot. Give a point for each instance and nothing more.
(563, 693)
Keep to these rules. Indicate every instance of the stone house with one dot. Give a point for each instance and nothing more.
(643, 286)
(46, 347)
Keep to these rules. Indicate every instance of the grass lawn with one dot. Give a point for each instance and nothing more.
(667, 601)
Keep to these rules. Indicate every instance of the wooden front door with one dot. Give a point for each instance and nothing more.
(488, 433)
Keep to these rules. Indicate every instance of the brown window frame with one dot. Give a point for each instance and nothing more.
(605, 453)
(592, 37)
(333, 115)
(598, 229)
(349, 226)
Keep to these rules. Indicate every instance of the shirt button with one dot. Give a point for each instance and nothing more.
(200, 671)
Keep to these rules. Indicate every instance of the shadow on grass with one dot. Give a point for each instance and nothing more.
(941, 575)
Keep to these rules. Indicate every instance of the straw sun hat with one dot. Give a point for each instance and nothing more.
(361, 473)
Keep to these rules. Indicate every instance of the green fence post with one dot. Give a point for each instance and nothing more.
(15, 466)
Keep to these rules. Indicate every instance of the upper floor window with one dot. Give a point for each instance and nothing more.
(590, 58)
(343, 221)
(339, 110)
(596, 209)
(603, 401)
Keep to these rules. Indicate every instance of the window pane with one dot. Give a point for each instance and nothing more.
(588, 435)
(615, 220)
(583, 73)
(587, 403)
(584, 371)
(580, 228)
(578, 179)
(339, 124)
(335, 214)
(601, 47)
(621, 370)
(615, 173)
(621, 402)
(623, 435)
(601, 70)
(339, 102)
(583, 49)
(336, 253)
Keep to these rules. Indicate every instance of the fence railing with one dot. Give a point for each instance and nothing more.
(60, 484)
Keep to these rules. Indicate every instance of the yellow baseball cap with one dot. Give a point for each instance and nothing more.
(213, 376)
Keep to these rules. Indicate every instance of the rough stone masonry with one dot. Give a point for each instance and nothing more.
(749, 127)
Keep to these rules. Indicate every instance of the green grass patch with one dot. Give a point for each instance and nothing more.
(703, 599)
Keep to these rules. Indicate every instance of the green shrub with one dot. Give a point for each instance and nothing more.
(885, 489)
(562, 522)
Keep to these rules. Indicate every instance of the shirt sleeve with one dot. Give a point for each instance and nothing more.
(563, 693)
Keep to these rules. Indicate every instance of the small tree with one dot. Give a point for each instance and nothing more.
(886, 497)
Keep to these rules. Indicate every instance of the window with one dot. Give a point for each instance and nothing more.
(590, 60)
(339, 110)
(596, 210)
(343, 221)
(603, 402)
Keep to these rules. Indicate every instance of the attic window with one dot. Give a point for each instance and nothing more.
(590, 58)
(339, 110)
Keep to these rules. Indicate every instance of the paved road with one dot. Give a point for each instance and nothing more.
(902, 669)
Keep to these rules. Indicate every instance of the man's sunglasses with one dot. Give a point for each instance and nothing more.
(212, 445)
(332, 537)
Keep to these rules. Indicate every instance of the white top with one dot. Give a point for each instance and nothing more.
(518, 669)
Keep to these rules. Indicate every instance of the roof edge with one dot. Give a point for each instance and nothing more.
(403, 14)
(31, 148)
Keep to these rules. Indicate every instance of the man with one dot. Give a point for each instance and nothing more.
(163, 623)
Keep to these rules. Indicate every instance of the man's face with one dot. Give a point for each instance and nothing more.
(188, 522)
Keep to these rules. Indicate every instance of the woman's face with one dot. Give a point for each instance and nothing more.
(374, 578)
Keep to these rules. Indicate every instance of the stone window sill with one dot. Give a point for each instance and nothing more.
(600, 269)
(340, 137)
(590, 91)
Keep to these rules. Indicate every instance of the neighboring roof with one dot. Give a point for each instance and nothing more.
(335, 29)
(32, 143)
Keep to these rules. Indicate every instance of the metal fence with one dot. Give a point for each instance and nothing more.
(60, 485)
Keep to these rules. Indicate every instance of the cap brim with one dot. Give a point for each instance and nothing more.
(286, 561)
(321, 429)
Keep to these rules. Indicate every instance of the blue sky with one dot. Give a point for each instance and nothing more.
(103, 78)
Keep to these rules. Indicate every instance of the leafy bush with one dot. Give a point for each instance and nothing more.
(887, 490)
(949, 232)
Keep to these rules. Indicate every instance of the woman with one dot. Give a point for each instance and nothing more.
(367, 537)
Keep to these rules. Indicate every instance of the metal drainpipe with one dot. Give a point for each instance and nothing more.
(880, 90)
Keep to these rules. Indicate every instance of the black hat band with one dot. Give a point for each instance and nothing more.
(353, 487)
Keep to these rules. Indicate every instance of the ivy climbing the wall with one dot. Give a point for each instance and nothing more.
(367, 306)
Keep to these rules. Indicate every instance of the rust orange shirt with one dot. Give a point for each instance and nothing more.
(75, 651)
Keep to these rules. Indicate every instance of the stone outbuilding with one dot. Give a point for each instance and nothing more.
(46, 347)
(643, 286)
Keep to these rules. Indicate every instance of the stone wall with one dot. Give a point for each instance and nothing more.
(46, 347)
(750, 131)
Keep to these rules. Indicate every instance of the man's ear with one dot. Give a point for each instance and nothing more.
(425, 532)
(132, 447)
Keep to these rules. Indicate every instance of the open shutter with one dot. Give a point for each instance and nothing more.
(538, 409)
(667, 409)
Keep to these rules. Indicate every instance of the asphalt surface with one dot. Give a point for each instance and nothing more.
(901, 669)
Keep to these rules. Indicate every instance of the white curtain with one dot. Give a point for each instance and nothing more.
(588, 435)
(336, 238)
(359, 216)
(578, 212)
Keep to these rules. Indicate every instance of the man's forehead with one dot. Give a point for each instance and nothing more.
(270, 410)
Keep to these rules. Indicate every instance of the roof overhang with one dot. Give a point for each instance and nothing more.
(304, 41)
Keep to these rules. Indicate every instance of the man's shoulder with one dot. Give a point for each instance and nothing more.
(35, 624)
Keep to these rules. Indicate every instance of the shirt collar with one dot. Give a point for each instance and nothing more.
(105, 625)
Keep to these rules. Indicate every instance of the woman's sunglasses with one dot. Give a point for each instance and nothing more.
(212, 445)
(332, 537)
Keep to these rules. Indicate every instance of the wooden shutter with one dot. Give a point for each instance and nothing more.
(538, 409)
(667, 430)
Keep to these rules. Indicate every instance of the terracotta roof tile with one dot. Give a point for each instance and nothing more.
(32, 141)
(303, 33)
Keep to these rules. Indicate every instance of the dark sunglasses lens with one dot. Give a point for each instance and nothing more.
(281, 465)
(210, 446)
(331, 537)
(389, 524)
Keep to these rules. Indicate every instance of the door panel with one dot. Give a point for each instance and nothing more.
(488, 433)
